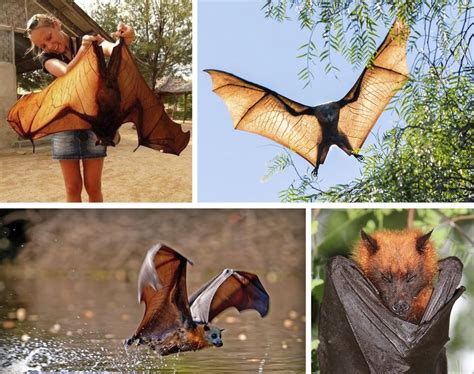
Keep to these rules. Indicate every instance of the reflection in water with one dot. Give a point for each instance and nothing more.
(58, 323)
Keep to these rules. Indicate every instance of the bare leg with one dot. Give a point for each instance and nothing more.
(72, 180)
(93, 178)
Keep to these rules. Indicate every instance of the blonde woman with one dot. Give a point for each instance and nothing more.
(58, 53)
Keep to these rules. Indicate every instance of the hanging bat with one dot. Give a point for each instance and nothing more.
(173, 323)
(310, 131)
(359, 334)
(100, 97)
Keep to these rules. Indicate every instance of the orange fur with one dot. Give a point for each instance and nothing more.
(397, 255)
(196, 338)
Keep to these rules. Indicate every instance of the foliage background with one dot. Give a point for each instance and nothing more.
(427, 156)
(335, 231)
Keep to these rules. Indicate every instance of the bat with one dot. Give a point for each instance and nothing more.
(358, 334)
(310, 131)
(173, 323)
(101, 97)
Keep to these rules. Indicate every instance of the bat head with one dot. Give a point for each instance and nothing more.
(328, 114)
(213, 335)
(402, 266)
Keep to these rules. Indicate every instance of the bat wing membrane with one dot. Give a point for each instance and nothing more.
(257, 109)
(162, 287)
(49, 111)
(375, 87)
(353, 319)
(155, 128)
(231, 288)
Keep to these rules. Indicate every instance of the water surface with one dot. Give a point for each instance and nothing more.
(71, 322)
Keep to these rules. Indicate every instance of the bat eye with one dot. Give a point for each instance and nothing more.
(387, 277)
(410, 278)
(214, 336)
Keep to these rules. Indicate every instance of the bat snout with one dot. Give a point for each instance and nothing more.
(400, 307)
(218, 343)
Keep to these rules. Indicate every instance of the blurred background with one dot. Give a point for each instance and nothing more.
(68, 293)
(335, 231)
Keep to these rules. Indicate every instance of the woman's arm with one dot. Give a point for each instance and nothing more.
(59, 68)
(123, 31)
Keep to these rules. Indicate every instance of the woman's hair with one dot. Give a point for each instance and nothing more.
(39, 20)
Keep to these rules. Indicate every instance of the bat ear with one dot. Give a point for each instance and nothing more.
(370, 242)
(421, 242)
(206, 328)
(221, 330)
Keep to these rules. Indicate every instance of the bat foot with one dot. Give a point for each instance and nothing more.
(358, 157)
(132, 341)
(314, 173)
(117, 139)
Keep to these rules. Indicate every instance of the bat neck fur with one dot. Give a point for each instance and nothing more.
(197, 338)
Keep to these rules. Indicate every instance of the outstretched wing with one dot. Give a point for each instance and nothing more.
(257, 109)
(231, 288)
(162, 287)
(49, 111)
(376, 86)
(154, 127)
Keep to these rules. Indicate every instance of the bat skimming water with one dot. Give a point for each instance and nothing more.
(173, 323)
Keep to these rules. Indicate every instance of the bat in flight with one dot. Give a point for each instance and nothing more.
(359, 334)
(310, 131)
(101, 97)
(173, 323)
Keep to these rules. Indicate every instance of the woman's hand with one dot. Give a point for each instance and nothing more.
(124, 31)
(88, 39)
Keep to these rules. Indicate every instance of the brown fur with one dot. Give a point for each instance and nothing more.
(196, 338)
(398, 270)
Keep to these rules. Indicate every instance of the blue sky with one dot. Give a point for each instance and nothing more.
(235, 36)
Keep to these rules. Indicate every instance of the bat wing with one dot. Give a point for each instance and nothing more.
(378, 83)
(155, 128)
(262, 111)
(52, 110)
(162, 287)
(358, 333)
(231, 288)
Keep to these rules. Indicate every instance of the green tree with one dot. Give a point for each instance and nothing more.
(427, 156)
(163, 31)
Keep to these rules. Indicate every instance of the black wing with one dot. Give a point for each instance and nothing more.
(231, 288)
(358, 334)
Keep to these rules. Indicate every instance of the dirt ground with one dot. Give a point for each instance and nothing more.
(142, 176)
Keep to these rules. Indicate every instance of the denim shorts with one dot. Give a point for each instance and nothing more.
(76, 145)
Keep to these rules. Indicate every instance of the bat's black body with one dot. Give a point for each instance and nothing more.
(173, 323)
(358, 334)
(311, 130)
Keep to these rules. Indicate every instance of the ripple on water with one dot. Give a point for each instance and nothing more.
(67, 354)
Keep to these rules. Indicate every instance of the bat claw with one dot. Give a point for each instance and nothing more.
(358, 157)
(314, 173)
(131, 341)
